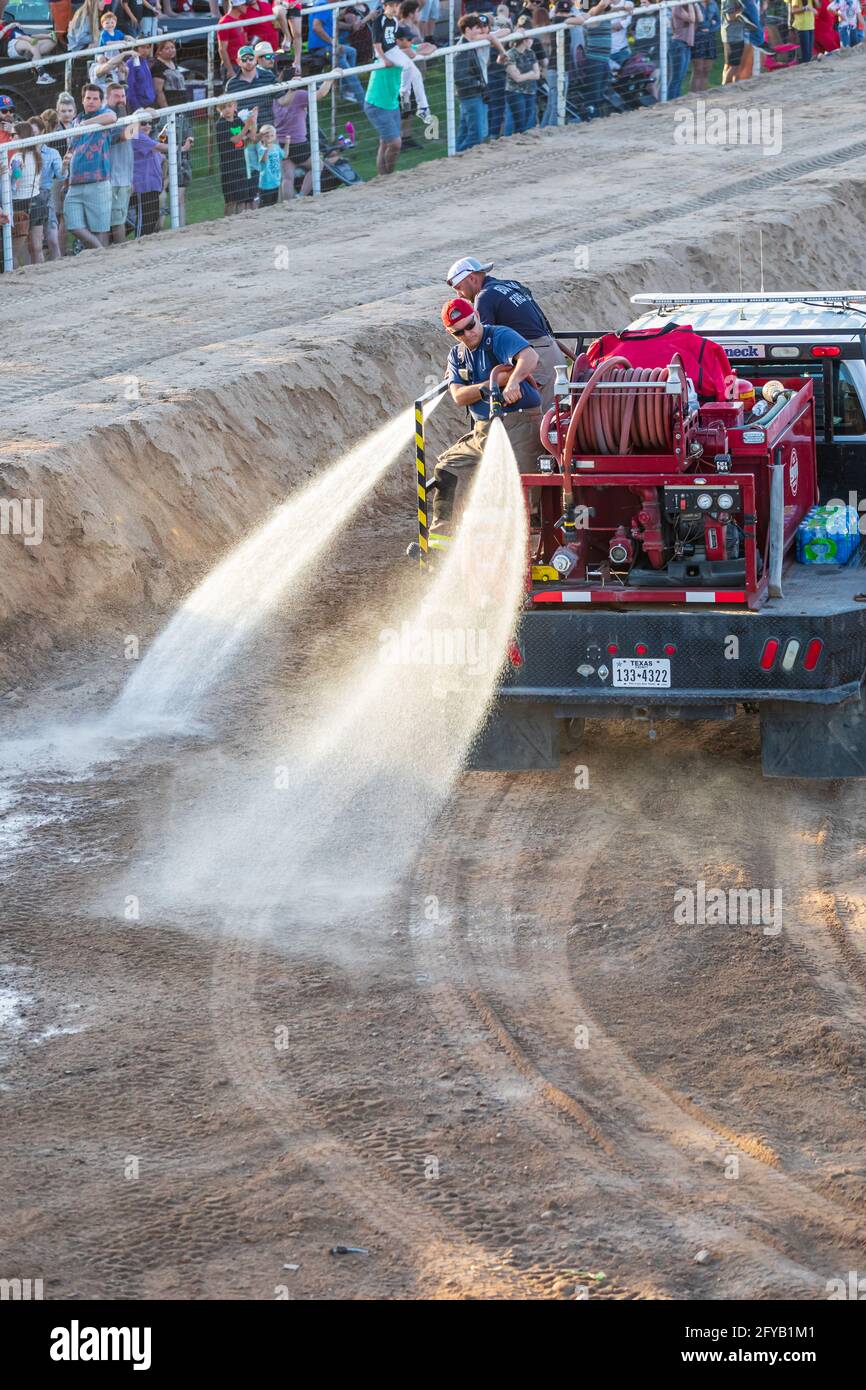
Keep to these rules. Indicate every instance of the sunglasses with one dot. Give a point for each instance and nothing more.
(458, 332)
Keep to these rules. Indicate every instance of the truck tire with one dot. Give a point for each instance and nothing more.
(814, 740)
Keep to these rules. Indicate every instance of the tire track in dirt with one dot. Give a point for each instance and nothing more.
(377, 1168)
(651, 1198)
(656, 1107)
(827, 923)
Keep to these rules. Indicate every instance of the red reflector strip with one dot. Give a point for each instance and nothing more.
(640, 595)
(813, 653)
(769, 654)
(826, 350)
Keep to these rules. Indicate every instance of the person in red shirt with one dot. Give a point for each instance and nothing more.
(266, 23)
(230, 40)
(826, 34)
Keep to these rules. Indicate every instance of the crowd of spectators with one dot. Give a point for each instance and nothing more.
(613, 64)
(101, 183)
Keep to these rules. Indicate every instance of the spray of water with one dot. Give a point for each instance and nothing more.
(197, 649)
(335, 817)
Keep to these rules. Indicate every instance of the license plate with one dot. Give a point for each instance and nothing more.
(642, 672)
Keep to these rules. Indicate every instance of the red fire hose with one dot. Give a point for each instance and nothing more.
(616, 422)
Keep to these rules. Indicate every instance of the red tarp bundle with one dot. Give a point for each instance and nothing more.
(704, 361)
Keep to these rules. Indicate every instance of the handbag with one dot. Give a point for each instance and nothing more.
(21, 221)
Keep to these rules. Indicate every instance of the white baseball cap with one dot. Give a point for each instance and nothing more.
(468, 266)
(263, 49)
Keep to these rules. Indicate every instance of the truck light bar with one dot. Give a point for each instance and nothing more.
(844, 298)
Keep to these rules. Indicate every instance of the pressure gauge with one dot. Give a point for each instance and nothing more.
(725, 501)
(704, 501)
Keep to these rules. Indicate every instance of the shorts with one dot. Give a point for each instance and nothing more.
(429, 10)
(268, 197)
(385, 123)
(88, 205)
(734, 53)
(12, 47)
(40, 210)
(706, 47)
(300, 153)
(119, 204)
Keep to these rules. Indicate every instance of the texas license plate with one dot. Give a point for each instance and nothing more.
(642, 672)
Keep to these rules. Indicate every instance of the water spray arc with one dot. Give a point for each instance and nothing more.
(195, 652)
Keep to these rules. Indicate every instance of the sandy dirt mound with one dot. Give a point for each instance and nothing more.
(155, 437)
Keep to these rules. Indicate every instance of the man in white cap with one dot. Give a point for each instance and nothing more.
(511, 305)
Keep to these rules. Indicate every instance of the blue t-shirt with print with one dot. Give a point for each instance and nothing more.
(472, 367)
(270, 160)
(90, 151)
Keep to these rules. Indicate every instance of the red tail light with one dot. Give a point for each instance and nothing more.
(515, 656)
(612, 649)
(770, 652)
(640, 649)
(813, 653)
(670, 649)
(826, 350)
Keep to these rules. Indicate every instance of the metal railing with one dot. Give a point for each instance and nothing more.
(170, 114)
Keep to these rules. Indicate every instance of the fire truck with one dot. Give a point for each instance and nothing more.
(667, 576)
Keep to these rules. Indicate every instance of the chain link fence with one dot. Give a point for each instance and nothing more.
(228, 146)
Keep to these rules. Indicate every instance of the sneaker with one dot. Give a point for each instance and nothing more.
(45, 80)
(348, 96)
(425, 114)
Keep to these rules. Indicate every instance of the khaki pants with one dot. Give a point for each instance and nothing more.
(549, 357)
(456, 467)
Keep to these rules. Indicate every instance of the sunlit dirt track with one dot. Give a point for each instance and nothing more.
(519, 1077)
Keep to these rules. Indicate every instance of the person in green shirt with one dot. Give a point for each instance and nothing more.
(382, 109)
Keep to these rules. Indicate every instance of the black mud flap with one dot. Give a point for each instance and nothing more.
(814, 740)
(516, 739)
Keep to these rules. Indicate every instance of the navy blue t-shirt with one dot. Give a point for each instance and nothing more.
(510, 303)
(472, 368)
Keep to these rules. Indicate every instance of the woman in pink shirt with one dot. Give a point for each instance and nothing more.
(290, 122)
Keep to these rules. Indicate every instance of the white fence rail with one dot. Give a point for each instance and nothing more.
(558, 90)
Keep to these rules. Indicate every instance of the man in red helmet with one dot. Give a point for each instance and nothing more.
(477, 349)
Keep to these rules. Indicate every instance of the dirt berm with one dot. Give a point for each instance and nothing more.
(164, 395)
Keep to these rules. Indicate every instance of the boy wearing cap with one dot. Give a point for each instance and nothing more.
(510, 303)
(478, 348)
(387, 31)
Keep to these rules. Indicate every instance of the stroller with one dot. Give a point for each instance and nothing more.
(633, 81)
(336, 169)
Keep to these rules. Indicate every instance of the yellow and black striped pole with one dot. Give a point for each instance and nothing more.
(421, 467)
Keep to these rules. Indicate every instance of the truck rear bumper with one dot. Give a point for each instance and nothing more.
(572, 701)
(720, 657)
